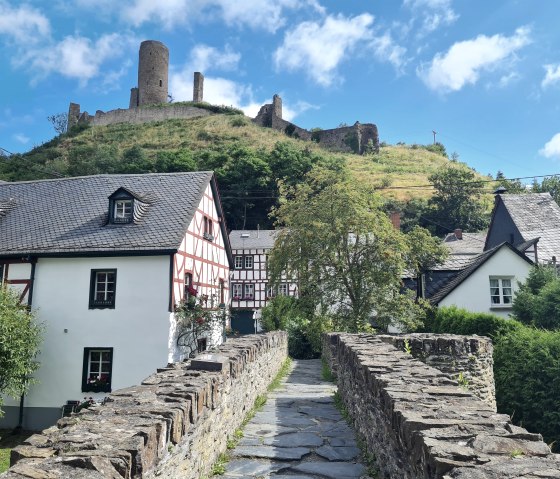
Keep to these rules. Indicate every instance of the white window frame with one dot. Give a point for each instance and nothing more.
(238, 264)
(102, 278)
(122, 211)
(248, 262)
(91, 374)
(236, 290)
(283, 289)
(249, 291)
(502, 284)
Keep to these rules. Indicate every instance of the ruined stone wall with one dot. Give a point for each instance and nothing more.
(420, 424)
(174, 425)
(144, 115)
(468, 358)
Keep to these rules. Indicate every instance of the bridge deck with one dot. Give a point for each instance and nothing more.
(298, 434)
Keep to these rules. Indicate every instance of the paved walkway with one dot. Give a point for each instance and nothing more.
(299, 434)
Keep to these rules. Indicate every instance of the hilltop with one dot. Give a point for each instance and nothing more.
(247, 158)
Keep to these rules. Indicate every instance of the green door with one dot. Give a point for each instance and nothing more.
(242, 321)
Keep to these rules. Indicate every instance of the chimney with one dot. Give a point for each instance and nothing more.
(458, 233)
(395, 217)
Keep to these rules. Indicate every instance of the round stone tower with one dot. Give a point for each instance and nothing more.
(153, 66)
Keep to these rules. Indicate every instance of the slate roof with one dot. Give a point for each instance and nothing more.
(473, 266)
(462, 251)
(536, 215)
(256, 239)
(69, 216)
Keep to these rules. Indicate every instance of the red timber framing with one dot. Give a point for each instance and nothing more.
(19, 275)
(203, 256)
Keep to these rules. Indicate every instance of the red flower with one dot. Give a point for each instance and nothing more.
(199, 320)
(192, 291)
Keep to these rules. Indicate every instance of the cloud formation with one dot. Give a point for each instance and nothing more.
(552, 148)
(465, 61)
(204, 58)
(552, 75)
(433, 14)
(319, 47)
(23, 24)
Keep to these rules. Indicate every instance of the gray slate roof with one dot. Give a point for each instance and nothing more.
(536, 215)
(462, 251)
(69, 216)
(252, 239)
(470, 269)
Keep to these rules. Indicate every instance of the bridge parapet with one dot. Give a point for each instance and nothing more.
(175, 424)
(419, 423)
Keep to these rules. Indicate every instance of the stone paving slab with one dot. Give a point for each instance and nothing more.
(298, 434)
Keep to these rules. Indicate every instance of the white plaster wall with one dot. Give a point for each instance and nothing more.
(137, 329)
(473, 294)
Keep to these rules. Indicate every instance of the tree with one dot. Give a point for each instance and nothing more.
(344, 251)
(59, 122)
(512, 186)
(20, 338)
(549, 185)
(537, 303)
(456, 202)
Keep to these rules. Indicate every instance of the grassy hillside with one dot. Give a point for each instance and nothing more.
(393, 166)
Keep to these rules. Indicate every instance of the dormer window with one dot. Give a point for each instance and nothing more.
(123, 211)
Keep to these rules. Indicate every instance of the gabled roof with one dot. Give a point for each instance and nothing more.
(470, 269)
(536, 215)
(252, 239)
(462, 251)
(69, 216)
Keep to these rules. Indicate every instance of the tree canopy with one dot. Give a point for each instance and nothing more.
(347, 256)
(20, 338)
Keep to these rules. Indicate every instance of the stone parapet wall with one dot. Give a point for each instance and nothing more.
(465, 357)
(174, 425)
(420, 424)
(147, 114)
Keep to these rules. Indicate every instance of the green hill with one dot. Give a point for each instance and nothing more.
(248, 160)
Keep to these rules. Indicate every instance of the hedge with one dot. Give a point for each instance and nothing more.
(526, 366)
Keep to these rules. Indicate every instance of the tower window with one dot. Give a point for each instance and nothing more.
(160, 83)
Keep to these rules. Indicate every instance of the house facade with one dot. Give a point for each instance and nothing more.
(250, 285)
(104, 261)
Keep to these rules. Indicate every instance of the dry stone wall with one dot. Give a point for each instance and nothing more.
(420, 424)
(174, 425)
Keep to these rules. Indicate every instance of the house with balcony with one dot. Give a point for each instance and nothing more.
(104, 261)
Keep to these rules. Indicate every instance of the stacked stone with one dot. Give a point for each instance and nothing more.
(175, 424)
(420, 424)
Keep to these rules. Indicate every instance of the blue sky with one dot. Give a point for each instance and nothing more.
(484, 74)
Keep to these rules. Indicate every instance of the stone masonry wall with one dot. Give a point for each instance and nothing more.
(144, 115)
(174, 425)
(469, 356)
(420, 424)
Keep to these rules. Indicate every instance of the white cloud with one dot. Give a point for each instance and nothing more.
(290, 112)
(386, 50)
(552, 148)
(552, 75)
(257, 14)
(75, 56)
(24, 25)
(432, 13)
(463, 63)
(21, 138)
(319, 47)
(204, 58)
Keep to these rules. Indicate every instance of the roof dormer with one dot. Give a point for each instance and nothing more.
(121, 206)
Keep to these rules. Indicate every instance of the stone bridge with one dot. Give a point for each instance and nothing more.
(416, 420)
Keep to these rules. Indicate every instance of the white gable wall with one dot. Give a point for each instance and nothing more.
(473, 294)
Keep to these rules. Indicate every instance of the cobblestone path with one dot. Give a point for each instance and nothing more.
(298, 434)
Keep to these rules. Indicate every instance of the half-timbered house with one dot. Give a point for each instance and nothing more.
(104, 260)
(250, 286)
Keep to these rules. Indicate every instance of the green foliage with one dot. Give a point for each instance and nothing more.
(537, 302)
(548, 185)
(512, 186)
(436, 148)
(238, 122)
(352, 142)
(20, 338)
(9, 440)
(456, 201)
(278, 312)
(326, 372)
(172, 161)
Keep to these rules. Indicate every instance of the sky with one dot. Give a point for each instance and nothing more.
(485, 75)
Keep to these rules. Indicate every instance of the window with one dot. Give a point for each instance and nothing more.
(248, 262)
(249, 291)
(189, 290)
(236, 291)
(238, 262)
(207, 229)
(283, 289)
(102, 288)
(122, 212)
(270, 291)
(98, 367)
(501, 292)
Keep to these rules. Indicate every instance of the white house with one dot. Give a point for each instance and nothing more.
(250, 288)
(103, 260)
(488, 284)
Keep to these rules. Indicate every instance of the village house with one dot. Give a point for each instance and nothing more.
(250, 285)
(104, 260)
